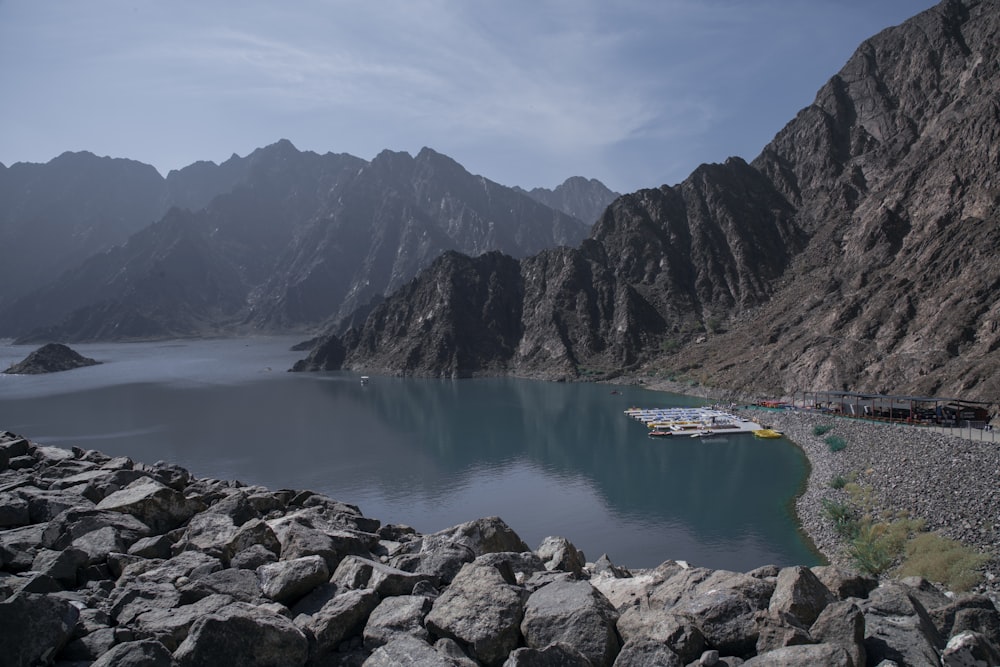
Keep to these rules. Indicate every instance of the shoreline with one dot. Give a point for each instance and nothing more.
(947, 480)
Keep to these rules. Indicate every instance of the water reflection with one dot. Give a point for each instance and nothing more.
(547, 457)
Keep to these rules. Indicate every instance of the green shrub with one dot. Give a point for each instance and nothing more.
(838, 482)
(870, 551)
(843, 516)
(942, 560)
(835, 443)
(820, 429)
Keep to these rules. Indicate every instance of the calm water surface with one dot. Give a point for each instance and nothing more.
(550, 458)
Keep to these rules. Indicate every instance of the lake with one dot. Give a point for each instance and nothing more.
(549, 458)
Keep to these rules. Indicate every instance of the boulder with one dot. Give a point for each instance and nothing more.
(60, 565)
(409, 651)
(968, 612)
(13, 511)
(576, 614)
(288, 580)
(142, 653)
(482, 536)
(726, 618)
(844, 583)
(35, 628)
(553, 655)
(170, 625)
(156, 505)
(481, 611)
(47, 504)
(827, 655)
(558, 553)
(800, 593)
(242, 585)
(254, 532)
(969, 649)
(342, 617)
(675, 632)
(898, 628)
(842, 623)
(394, 617)
(221, 638)
(647, 653)
(357, 572)
(73, 527)
(778, 630)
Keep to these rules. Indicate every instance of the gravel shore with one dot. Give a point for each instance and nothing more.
(951, 482)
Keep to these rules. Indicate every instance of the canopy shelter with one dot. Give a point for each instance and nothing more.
(887, 407)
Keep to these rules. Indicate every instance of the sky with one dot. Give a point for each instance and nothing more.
(635, 93)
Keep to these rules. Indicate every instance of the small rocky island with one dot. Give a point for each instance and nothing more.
(106, 561)
(50, 358)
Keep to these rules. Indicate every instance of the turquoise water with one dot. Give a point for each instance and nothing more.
(549, 458)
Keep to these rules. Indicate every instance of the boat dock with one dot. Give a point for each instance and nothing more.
(690, 422)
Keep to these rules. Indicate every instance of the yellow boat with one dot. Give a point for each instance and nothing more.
(767, 433)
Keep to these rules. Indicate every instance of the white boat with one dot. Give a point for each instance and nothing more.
(364, 379)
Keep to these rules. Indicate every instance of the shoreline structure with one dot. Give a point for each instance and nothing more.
(950, 481)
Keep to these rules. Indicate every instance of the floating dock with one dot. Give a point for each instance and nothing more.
(690, 422)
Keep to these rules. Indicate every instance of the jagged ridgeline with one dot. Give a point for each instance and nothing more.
(281, 240)
(858, 250)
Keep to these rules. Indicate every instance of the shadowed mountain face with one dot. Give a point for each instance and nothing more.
(857, 251)
(296, 240)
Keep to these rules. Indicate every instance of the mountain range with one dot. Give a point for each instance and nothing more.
(858, 251)
(281, 240)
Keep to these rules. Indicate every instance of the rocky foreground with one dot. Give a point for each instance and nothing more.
(105, 561)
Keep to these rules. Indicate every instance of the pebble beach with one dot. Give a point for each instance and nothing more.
(950, 482)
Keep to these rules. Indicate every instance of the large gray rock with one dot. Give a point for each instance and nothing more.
(156, 505)
(288, 580)
(969, 649)
(780, 630)
(221, 638)
(726, 619)
(800, 593)
(60, 565)
(481, 611)
(482, 536)
(898, 628)
(341, 618)
(408, 651)
(558, 553)
(553, 655)
(395, 617)
(170, 626)
(47, 504)
(13, 511)
(647, 653)
(210, 532)
(827, 655)
(142, 653)
(842, 623)
(576, 614)
(968, 612)
(73, 526)
(50, 358)
(34, 628)
(254, 532)
(357, 572)
(675, 632)
(242, 585)
(844, 583)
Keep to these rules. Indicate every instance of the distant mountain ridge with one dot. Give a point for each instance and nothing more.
(579, 197)
(857, 251)
(280, 240)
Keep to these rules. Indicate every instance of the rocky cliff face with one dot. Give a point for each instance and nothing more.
(854, 252)
(299, 238)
